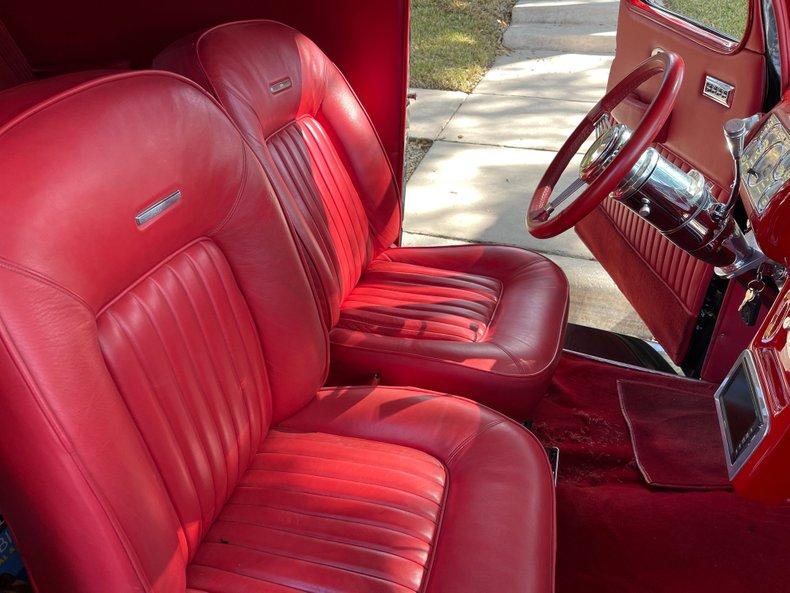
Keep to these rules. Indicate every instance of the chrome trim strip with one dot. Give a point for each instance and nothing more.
(152, 212)
(625, 365)
(746, 361)
(718, 91)
(280, 86)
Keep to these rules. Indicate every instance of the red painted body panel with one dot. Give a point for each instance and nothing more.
(765, 475)
(732, 336)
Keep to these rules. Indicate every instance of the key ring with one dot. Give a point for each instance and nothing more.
(757, 285)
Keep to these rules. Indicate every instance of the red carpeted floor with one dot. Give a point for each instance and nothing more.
(618, 535)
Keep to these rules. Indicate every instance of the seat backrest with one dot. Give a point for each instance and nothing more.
(155, 318)
(312, 136)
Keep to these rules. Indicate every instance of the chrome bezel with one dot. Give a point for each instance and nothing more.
(603, 151)
(746, 362)
(762, 190)
(718, 91)
(157, 209)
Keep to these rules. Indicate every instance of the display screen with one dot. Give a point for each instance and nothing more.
(741, 411)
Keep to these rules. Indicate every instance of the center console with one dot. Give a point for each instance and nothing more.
(753, 402)
(743, 413)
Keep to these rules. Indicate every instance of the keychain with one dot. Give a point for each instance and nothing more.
(750, 307)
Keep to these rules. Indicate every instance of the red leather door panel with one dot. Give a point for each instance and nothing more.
(664, 284)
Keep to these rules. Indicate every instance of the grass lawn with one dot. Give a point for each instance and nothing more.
(454, 42)
(725, 16)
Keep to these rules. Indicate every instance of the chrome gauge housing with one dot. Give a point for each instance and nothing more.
(765, 166)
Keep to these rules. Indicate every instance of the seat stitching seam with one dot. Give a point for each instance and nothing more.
(336, 497)
(422, 458)
(434, 544)
(179, 389)
(428, 290)
(44, 279)
(320, 537)
(523, 375)
(157, 399)
(237, 423)
(198, 377)
(421, 276)
(379, 326)
(448, 308)
(464, 445)
(367, 311)
(253, 577)
(260, 377)
(345, 480)
(317, 563)
(25, 375)
(354, 462)
(352, 221)
(343, 519)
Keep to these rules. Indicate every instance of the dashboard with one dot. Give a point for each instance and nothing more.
(765, 166)
(753, 402)
(765, 182)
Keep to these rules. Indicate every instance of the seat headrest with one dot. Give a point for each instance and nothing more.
(273, 72)
(104, 180)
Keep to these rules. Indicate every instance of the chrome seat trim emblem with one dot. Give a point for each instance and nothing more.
(155, 210)
(280, 86)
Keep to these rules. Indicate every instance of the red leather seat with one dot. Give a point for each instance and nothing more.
(161, 357)
(482, 321)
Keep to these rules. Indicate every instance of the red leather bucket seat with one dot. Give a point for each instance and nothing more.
(483, 321)
(161, 357)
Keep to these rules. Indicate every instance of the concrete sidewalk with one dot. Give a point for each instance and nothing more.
(491, 147)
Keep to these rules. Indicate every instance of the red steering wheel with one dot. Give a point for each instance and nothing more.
(540, 221)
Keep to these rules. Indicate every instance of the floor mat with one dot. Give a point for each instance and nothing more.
(615, 534)
(675, 435)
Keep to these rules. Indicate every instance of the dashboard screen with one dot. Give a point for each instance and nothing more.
(741, 411)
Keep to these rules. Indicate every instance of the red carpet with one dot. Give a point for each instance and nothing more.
(675, 435)
(616, 534)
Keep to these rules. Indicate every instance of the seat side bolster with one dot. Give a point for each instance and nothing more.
(363, 155)
(58, 394)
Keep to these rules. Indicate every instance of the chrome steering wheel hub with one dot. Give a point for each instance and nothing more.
(603, 151)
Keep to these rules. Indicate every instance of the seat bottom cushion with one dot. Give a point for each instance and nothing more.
(325, 512)
(390, 490)
(483, 321)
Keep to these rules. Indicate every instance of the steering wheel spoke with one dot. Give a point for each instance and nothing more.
(603, 124)
(544, 213)
(544, 218)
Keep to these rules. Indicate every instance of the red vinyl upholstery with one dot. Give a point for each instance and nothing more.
(449, 317)
(332, 177)
(18, 99)
(160, 383)
(650, 269)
